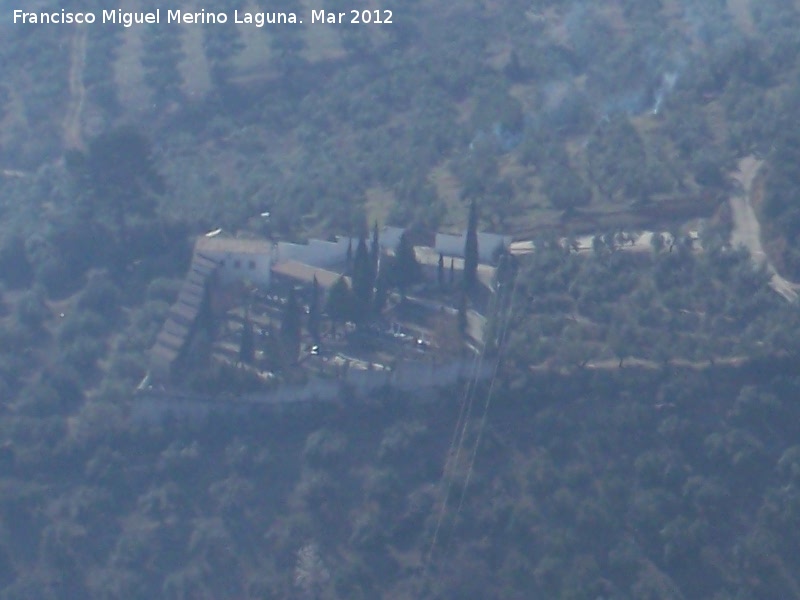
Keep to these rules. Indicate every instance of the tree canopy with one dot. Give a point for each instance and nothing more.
(406, 269)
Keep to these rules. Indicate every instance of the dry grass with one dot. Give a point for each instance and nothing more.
(73, 120)
(448, 189)
(253, 64)
(379, 203)
(613, 13)
(194, 67)
(129, 74)
(527, 95)
(323, 44)
(498, 54)
(740, 11)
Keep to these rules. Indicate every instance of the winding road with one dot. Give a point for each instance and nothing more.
(77, 91)
(746, 229)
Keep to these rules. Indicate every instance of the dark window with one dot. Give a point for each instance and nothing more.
(237, 264)
(251, 264)
(222, 263)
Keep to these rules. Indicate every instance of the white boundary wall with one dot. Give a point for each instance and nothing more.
(488, 244)
(411, 376)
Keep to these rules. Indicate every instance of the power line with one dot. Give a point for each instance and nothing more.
(452, 458)
(490, 393)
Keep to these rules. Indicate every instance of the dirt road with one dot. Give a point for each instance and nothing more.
(77, 91)
(746, 229)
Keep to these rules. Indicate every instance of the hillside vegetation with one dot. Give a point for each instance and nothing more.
(639, 438)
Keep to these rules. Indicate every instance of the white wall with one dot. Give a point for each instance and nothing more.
(324, 254)
(410, 376)
(389, 237)
(252, 267)
(488, 243)
(450, 245)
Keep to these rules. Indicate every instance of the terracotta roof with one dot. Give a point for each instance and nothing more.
(191, 293)
(170, 340)
(183, 312)
(163, 354)
(203, 264)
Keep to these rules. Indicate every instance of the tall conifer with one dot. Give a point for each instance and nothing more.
(407, 270)
(462, 313)
(340, 303)
(290, 326)
(313, 312)
(362, 282)
(374, 252)
(471, 249)
(247, 346)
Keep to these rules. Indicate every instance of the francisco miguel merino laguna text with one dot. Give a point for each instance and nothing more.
(127, 19)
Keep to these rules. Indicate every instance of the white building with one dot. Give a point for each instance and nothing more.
(317, 253)
(238, 259)
(489, 244)
(389, 237)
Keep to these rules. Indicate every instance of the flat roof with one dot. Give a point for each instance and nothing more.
(302, 272)
(428, 256)
(236, 245)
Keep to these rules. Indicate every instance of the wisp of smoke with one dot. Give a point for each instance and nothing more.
(310, 573)
(668, 82)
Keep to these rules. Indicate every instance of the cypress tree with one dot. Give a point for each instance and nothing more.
(440, 271)
(349, 257)
(362, 282)
(247, 346)
(205, 317)
(339, 302)
(374, 252)
(313, 312)
(462, 313)
(290, 325)
(471, 249)
(514, 70)
(406, 268)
